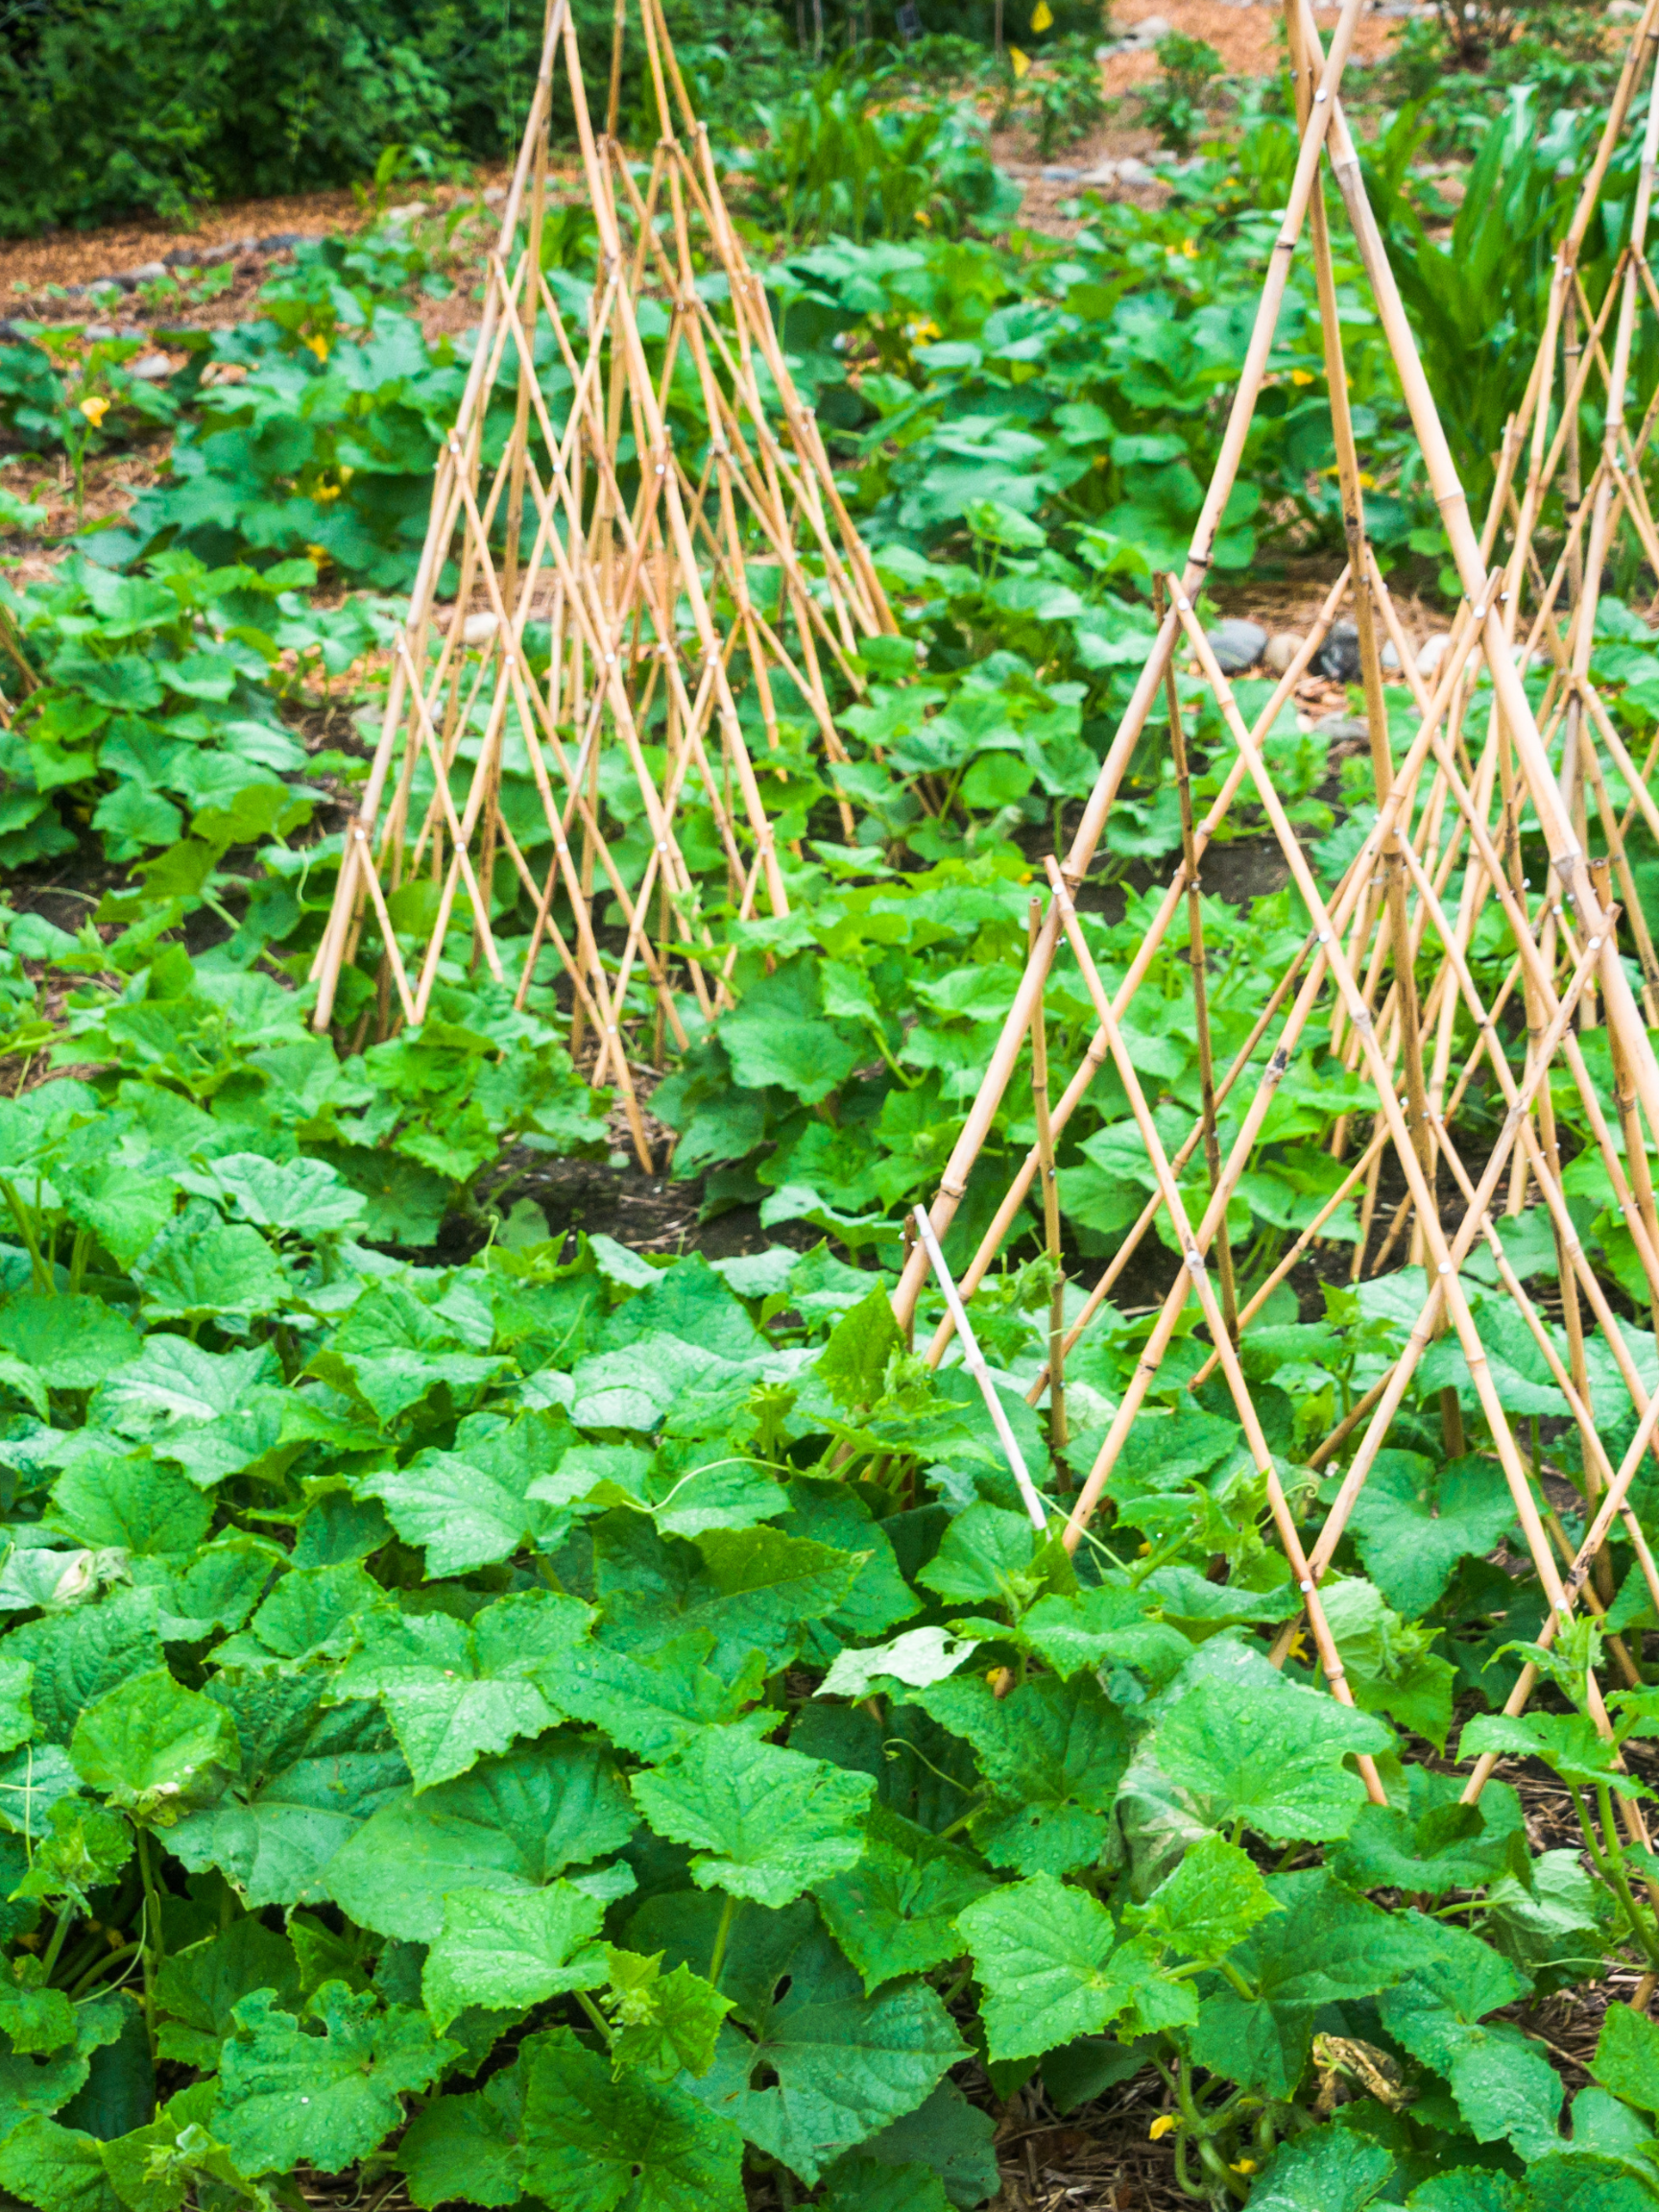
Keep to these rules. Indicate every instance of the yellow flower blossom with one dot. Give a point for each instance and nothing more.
(1190, 247)
(95, 407)
(323, 494)
(1042, 15)
(320, 554)
(316, 345)
(1016, 62)
(1367, 483)
(1301, 377)
(1243, 2166)
(1161, 2126)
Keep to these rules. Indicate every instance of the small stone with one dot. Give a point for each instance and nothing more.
(1149, 30)
(1390, 655)
(1431, 652)
(1236, 646)
(282, 242)
(478, 629)
(146, 273)
(1102, 173)
(1340, 727)
(1060, 175)
(1131, 171)
(495, 196)
(1338, 657)
(410, 211)
(150, 369)
(1280, 650)
(98, 333)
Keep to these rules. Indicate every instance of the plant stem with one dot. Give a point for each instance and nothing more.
(154, 1951)
(596, 2016)
(65, 1915)
(717, 1958)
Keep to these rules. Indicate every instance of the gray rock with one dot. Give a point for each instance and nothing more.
(1102, 173)
(98, 333)
(151, 368)
(1390, 655)
(1149, 30)
(1280, 650)
(410, 211)
(146, 273)
(1131, 171)
(1431, 652)
(282, 242)
(1236, 646)
(1338, 657)
(1060, 175)
(1338, 726)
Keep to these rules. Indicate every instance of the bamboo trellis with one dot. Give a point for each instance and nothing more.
(1385, 979)
(687, 598)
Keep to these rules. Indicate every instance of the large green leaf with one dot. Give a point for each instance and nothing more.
(509, 1952)
(289, 2098)
(1414, 1521)
(454, 1692)
(1504, 2086)
(1327, 2170)
(816, 2066)
(1245, 1744)
(471, 1506)
(71, 1341)
(1050, 1965)
(58, 2169)
(310, 1778)
(1211, 1902)
(79, 1655)
(593, 2142)
(754, 1589)
(153, 1746)
(1325, 1946)
(1053, 1753)
(659, 1702)
(199, 1988)
(1627, 2058)
(895, 1912)
(131, 1503)
(469, 2147)
(511, 1824)
(764, 1822)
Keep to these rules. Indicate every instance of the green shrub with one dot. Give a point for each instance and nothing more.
(112, 104)
(1173, 103)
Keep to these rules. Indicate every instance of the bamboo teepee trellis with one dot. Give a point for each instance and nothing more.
(677, 596)
(1451, 816)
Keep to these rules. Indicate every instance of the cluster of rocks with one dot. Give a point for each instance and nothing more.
(1239, 645)
(188, 257)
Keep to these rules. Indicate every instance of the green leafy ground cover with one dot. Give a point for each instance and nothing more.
(565, 1727)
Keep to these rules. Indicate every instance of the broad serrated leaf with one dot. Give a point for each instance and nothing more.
(1413, 1522)
(475, 1505)
(309, 1781)
(1504, 2086)
(659, 1702)
(817, 2066)
(1050, 1965)
(511, 1952)
(454, 1692)
(593, 2142)
(664, 2023)
(1211, 1902)
(1567, 1742)
(302, 1196)
(1626, 2057)
(1247, 1745)
(895, 1912)
(132, 1504)
(468, 2149)
(1053, 1753)
(1326, 2170)
(72, 1343)
(1103, 1627)
(198, 1989)
(80, 1655)
(153, 1746)
(754, 1589)
(511, 1824)
(198, 1269)
(57, 2169)
(1437, 1842)
(288, 2097)
(763, 1822)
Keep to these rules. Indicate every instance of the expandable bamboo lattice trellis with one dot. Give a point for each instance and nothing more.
(688, 592)
(1445, 848)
